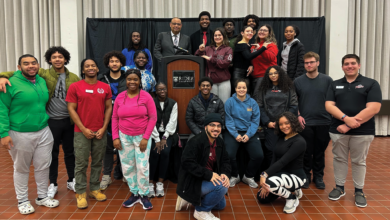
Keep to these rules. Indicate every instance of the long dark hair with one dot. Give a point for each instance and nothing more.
(138, 73)
(284, 82)
(239, 37)
(82, 66)
(225, 40)
(294, 123)
(130, 45)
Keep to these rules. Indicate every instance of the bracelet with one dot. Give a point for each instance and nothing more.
(342, 118)
(348, 126)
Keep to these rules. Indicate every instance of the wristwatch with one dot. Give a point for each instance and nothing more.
(264, 174)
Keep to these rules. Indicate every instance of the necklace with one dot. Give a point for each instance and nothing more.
(286, 138)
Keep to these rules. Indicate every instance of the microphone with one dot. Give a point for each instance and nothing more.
(181, 49)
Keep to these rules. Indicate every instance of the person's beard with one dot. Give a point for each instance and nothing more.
(24, 73)
(204, 29)
(119, 69)
(210, 135)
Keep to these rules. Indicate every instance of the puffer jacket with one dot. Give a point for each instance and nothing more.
(196, 112)
(217, 67)
(295, 66)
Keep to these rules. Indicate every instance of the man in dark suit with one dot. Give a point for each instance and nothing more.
(204, 33)
(166, 41)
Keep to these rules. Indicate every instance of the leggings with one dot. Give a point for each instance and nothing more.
(281, 185)
(159, 162)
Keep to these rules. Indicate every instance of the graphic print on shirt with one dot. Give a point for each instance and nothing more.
(60, 92)
(114, 89)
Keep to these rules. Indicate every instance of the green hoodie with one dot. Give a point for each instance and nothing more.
(23, 107)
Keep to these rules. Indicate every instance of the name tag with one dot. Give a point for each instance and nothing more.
(249, 109)
(88, 91)
(211, 154)
(339, 87)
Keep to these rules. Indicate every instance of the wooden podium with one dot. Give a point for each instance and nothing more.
(181, 73)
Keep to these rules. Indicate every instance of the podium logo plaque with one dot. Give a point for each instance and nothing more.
(183, 79)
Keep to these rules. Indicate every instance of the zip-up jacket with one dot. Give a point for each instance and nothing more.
(104, 78)
(193, 167)
(23, 107)
(264, 60)
(218, 66)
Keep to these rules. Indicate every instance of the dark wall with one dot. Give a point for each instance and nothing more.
(104, 35)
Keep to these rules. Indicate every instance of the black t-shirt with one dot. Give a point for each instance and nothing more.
(288, 156)
(114, 83)
(351, 98)
(311, 99)
(242, 55)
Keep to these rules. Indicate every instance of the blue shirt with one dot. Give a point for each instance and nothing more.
(130, 58)
(147, 79)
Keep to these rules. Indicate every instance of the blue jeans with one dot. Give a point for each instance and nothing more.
(213, 197)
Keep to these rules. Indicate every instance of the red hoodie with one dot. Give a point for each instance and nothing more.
(218, 66)
(264, 60)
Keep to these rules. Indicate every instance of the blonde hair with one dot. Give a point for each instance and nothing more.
(271, 35)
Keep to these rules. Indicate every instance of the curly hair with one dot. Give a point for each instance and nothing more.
(271, 35)
(252, 16)
(293, 119)
(59, 49)
(284, 82)
(114, 53)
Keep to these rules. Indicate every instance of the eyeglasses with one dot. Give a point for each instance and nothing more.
(274, 73)
(263, 30)
(178, 24)
(161, 90)
(311, 62)
(214, 125)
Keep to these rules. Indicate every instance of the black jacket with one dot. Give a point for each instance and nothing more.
(295, 66)
(122, 84)
(193, 167)
(196, 113)
(197, 39)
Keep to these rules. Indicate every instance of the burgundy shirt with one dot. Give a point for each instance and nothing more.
(212, 156)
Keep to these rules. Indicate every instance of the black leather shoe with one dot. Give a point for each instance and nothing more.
(319, 183)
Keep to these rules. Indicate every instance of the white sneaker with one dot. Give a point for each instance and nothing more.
(151, 194)
(298, 193)
(124, 180)
(52, 190)
(71, 185)
(202, 215)
(234, 180)
(159, 189)
(26, 208)
(48, 202)
(180, 203)
(250, 181)
(213, 216)
(291, 205)
(106, 181)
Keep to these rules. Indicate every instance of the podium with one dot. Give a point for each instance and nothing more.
(181, 73)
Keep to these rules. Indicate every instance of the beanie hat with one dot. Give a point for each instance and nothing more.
(212, 117)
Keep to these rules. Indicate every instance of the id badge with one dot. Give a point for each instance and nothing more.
(89, 91)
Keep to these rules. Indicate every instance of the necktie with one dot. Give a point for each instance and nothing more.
(204, 38)
(175, 42)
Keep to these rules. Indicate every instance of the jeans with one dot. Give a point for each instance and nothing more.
(213, 197)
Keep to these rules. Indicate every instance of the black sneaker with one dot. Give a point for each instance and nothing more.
(360, 200)
(306, 185)
(336, 194)
(319, 183)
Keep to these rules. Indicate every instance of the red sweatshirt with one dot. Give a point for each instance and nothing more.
(263, 61)
(218, 66)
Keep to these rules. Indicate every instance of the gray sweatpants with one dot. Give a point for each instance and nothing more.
(222, 90)
(35, 147)
(355, 145)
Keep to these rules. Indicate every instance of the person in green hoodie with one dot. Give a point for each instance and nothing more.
(25, 133)
(58, 79)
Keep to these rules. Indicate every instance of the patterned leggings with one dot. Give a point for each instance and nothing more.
(281, 185)
(135, 164)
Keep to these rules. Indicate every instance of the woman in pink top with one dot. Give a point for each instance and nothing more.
(133, 120)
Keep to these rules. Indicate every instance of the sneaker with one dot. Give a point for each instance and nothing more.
(306, 185)
(52, 190)
(145, 202)
(319, 183)
(106, 181)
(131, 201)
(82, 200)
(213, 216)
(124, 180)
(250, 181)
(180, 203)
(336, 194)
(26, 208)
(48, 202)
(360, 200)
(151, 194)
(71, 185)
(234, 180)
(202, 215)
(298, 193)
(159, 189)
(98, 195)
(291, 205)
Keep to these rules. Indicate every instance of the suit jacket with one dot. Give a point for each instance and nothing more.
(197, 39)
(164, 45)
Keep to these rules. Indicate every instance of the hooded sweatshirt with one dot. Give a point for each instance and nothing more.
(23, 107)
(242, 115)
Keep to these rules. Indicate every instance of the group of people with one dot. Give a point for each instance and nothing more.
(125, 111)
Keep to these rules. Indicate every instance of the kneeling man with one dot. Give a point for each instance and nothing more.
(205, 171)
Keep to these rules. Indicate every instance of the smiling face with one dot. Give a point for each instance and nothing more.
(218, 37)
(204, 21)
(161, 91)
(90, 69)
(205, 88)
(273, 75)
(136, 38)
(114, 64)
(351, 67)
(133, 82)
(213, 130)
(263, 33)
(285, 125)
(248, 33)
(289, 33)
(29, 67)
(241, 89)
(229, 27)
(141, 60)
(175, 25)
(57, 60)
(251, 22)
